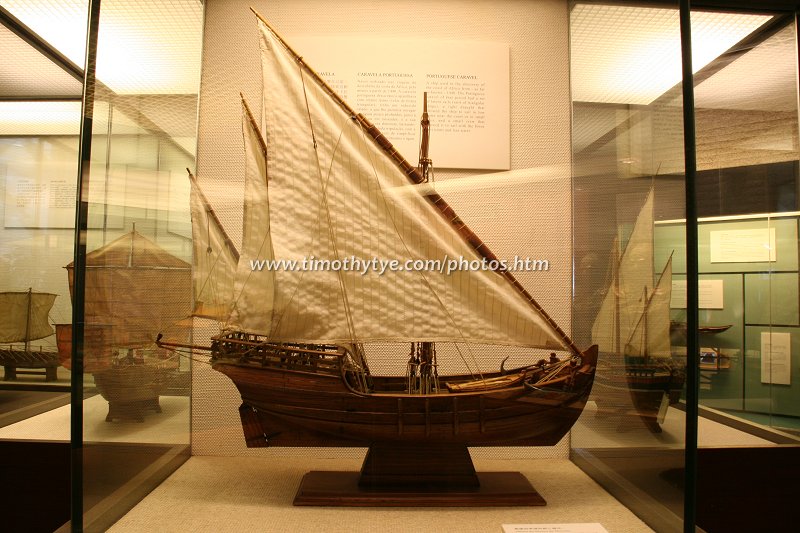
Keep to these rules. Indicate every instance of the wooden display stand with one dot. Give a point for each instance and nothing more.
(417, 476)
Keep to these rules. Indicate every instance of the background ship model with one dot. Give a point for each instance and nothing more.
(24, 318)
(134, 289)
(326, 184)
(632, 328)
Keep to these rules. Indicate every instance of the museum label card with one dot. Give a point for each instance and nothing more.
(468, 88)
(709, 294)
(554, 528)
(776, 358)
(40, 195)
(743, 245)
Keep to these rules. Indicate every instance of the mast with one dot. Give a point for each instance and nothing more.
(425, 163)
(213, 215)
(615, 287)
(423, 354)
(413, 174)
(644, 318)
(28, 320)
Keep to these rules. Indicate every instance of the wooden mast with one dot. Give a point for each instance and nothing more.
(414, 176)
(28, 321)
(424, 353)
(213, 215)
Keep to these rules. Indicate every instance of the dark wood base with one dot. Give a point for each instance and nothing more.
(341, 489)
(49, 372)
(131, 410)
(421, 475)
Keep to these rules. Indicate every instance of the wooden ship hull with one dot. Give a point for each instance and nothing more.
(292, 397)
(648, 387)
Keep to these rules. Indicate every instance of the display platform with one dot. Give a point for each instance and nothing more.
(494, 489)
(256, 493)
(168, 427)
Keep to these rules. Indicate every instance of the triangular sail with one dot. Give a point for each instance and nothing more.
(328, 196)
(24, 316)
(631, 279)
(636, 270)
(215, 260)
(254, 288)
(605, 330)
(650, 337)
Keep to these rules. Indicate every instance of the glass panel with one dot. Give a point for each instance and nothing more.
(747, 135)
(138, 275)
(747, 183)
(39, 123)
(628, 140)
(628, 179)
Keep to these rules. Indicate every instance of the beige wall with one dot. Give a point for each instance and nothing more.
(530, 219)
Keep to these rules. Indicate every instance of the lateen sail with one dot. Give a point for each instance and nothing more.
(636, 270)
(650, 337)
(328, 199)
(254, 289)
(632, 278)
(25, 316)
(604, 330)
(215, 260)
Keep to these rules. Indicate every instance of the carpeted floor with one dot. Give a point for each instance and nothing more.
(220, 494)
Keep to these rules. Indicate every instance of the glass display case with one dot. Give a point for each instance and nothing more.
(130, 426)
(628, 152)
(156, 158)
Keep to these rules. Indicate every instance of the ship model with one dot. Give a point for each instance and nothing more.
(134, 289)
(632, 327)
(25, 318)
(297, 343)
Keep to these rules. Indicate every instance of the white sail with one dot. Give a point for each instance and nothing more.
(650, 337)
(636, 270)
(604, 330)
(631, 280)
(254, 289)
(25, 316)
(134, 289)
(215, 260)
(328, 199)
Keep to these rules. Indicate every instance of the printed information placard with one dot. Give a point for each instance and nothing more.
(554, 528)
(39, 196)
(384, 79)
(743, 246)
(776, 358)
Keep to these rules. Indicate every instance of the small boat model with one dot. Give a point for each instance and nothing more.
(632, 327)
(299, 343)
(24, 318)
(134, 289)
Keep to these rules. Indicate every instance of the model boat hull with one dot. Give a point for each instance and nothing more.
(287, 407)
(650, 387)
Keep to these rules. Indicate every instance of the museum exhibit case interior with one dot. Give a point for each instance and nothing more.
(629, 175)
(137, 278)
(555, 133)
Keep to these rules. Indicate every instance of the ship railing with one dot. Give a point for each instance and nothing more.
(256, 349)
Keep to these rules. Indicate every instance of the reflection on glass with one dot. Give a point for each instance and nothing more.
(139, 248)
(629, 218)
(747, 134)
(37, 172)
(628, 177)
